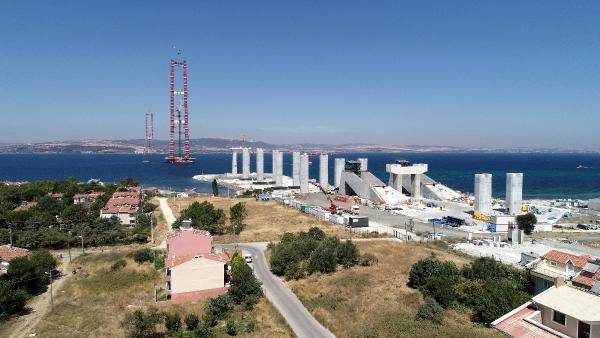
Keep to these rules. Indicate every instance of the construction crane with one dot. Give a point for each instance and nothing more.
(333, 208)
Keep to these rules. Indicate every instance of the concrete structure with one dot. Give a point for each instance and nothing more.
(234, 166)
(260, 164)
(296, 168)
(594, 204)
(356, 181)
(401, 169)
(502, 223)
(324, 170)
(304, 173)
(193, 271)
(337, 171)
(555, 267)
(514, 193)
(560, 311)
(245, 163)
(483, 193)
(274, 164)
(364, 163)
(279, 164)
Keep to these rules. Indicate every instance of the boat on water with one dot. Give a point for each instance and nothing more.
(145, 161)
(582, 167)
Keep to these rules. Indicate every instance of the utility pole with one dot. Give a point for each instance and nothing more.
(152, 227)
(82, 248)
(406, 230)
(11, 237)
(51, 297)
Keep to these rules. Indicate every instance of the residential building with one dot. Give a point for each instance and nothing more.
(86, 198)
(589, 275)
(25, 206)
(124, 205)
(563, 311)
(7, 253)
(193, 271)
(555, 267)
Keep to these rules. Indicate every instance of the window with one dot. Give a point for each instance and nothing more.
(553, 263)
(559, 317)
(547, 284)
(584, 330)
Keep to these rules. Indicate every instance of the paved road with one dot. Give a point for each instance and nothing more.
(386, 218)
(290, 307)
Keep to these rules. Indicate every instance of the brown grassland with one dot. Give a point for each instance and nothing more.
(266, 221)
(94, 301)
(375, 301)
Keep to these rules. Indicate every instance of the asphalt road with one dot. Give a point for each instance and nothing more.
(300, 320)
(386, 218)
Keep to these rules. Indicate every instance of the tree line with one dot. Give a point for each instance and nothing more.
(57, 223)
(205, 216)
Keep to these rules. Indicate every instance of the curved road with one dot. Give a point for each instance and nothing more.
(285, 301)
(290, 307)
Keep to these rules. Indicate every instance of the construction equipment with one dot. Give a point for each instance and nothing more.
(333, 208)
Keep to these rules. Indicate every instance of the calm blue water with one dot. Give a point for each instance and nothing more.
(546, 175)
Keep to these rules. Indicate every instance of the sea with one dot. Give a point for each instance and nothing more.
(546, 176)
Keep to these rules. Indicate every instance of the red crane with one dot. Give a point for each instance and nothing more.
(333, 208)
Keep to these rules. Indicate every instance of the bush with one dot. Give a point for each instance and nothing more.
(367, 259)
(219, 307)
(424, 269)
(140, 324)
(118, 265)
(441, 288)
(172, 323)
(527, 222)
(231, 327)
(12, 300)
(204, 216)
(431, 311)
(347, 254)
(143, 255)
(237, 214)
(251, 325)
(191, 322)
(149, 207)
(204, 331)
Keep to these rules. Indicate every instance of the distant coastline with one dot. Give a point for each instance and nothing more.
(221, 145)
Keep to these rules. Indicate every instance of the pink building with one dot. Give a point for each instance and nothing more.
(193, 272)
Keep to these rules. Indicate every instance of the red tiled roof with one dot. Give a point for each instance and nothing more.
(25, 206)
(7, 252)
(563, 258)
(90, 195)
(120, 210)
(515, 325)
(219, 257)
(586, 277)
(195, 232)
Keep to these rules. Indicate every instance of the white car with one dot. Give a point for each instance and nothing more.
(248, 258)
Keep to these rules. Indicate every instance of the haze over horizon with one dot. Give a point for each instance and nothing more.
(509, 74)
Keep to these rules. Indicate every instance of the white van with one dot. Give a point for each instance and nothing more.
(248, 258)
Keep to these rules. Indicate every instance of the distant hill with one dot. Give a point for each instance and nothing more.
(207, 145)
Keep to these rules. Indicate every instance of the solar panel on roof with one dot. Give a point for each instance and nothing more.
(591, 267)
(596, 287)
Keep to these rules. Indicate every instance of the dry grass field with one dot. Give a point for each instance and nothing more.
(94, 301)
(376, 302)
(266, 221)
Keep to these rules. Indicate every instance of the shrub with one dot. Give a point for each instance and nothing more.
(118, 265)
(172, 323)
(140, 324)
(367, 259)
(204, 331)
(323, 258)
(143, 255)
(219, 307)
(347, 254)
(424, 269)
(441, 288)
(431, 310)
(12, 300)
(237, 214)
(231, 327)
(149, 207)
(191, 322)
(204, 216)
(251, 325)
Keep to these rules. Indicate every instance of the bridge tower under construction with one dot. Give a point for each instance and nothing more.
(179, 131)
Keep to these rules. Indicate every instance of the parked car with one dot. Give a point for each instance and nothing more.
(248, 258)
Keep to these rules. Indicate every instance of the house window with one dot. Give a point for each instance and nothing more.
(553, 263)
(570, 268)
(559, 317)
(547, 284)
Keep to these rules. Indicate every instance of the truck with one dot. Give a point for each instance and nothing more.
(355, 210)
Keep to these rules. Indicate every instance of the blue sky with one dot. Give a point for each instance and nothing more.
(466, 73)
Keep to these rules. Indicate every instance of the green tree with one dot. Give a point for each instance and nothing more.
(427, 268)
(142, 325)
(237, 214)
(500, 297)
(231, 327)
(129, 182)
(204, 216)
(49, 205)
(245, 288)
(12, 299)
(347, 254)
(215, 188)
(431, 310)
(31, 272)
(441, 288)
(324, 258)
(219, 307)
(527, 222)
(74, 213)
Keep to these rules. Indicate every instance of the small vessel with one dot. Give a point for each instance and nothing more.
(582, 167)
(145, 161)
